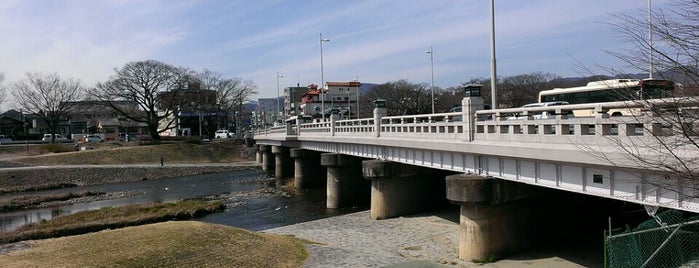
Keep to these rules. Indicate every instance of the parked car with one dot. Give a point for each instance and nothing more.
(458, 118)
(59, 138)
(544, 114)
(222, 134)
(456, 109)
(301, 119)
(93, 138)
(5, 139)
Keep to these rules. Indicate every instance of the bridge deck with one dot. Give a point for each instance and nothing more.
(643, 159)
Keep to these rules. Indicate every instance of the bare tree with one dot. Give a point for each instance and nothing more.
(48, 96)
(230, 92)
(145, 82)
(402, 98)
(670, 151)
(3, 91)
(519, 90)
(673, 49)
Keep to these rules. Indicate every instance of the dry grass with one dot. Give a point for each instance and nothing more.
(168, 244)
(110, 153)
(27, 202)
(112, 217)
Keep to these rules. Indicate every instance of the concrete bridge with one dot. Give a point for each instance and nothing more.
(493, 163)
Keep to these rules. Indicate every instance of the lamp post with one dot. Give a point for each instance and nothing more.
(277, 101)
(201, 134)
(237, 125)
(493, 65)
(357, 112)
(650, 41)
(349, 106)
(431, 52)
(322, 78)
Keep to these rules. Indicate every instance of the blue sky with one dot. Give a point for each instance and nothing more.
(374, 41)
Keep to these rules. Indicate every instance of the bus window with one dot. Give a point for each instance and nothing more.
(654, 89)
(582, 97)
(598, 96)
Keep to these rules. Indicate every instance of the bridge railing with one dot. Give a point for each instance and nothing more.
(650, 121)
(354, 127)
(434, 126)
(518, 124)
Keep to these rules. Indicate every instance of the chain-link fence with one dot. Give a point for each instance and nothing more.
(668, 240)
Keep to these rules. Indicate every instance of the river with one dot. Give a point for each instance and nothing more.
(256, 212)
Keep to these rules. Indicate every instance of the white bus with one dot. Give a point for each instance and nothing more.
(610, 91)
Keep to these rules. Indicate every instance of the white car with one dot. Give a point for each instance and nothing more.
(544, 114)
(5, 139)
(59, 138)
(93, 138)
(222, 134)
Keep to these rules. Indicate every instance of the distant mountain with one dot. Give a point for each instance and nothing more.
(250, 105)
(365, 87)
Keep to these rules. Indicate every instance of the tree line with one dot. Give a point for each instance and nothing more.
(144, 83)
(406, 98)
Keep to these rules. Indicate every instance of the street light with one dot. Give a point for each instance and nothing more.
(431, 52)
(493, 65)
(322, 79)
(277, 101)
(198, 107)
(349, 106)
(357, 112)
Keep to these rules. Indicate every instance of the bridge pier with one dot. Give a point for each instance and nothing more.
(345, 184)
(258, 153)
(398, 189)
(308, 172)
(497, 217)
(267, 160)
(283, 167)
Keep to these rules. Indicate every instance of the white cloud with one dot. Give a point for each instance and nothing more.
(378, 41)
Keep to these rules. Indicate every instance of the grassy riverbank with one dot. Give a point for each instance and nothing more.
(168, 244)
(131, 153)
(109, 237)
(112, 217)
(30, 202)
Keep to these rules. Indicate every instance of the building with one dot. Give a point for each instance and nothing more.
(98, 117)
(310, 102)
(292, 100)
(343, 96)
(195, 112)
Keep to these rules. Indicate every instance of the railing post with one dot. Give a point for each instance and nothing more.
(289, 129)
(298, 127)
(333, 117)
(471, 103)
(379, 112)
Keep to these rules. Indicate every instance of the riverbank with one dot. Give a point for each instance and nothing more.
(102, 163)
(21, 179)
(112, 217)
(168, 244)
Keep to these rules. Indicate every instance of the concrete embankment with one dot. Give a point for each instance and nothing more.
(30, 177)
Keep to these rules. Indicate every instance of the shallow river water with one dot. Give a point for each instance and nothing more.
(256, 213)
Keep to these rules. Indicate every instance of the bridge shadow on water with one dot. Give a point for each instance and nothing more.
(275, 211)
(569, 232)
